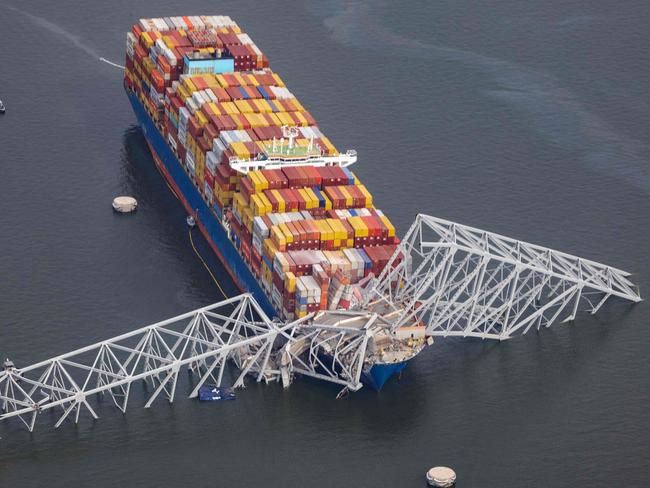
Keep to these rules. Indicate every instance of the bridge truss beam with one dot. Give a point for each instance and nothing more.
(462, 281)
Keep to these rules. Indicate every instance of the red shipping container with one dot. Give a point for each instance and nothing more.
(209, 178)
(221, 94)
(203, 145)
(278, 282)
(234, 93)
(313, 176)
(272, 199)
(224, 122)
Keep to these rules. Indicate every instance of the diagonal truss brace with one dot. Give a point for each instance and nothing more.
(461, 281)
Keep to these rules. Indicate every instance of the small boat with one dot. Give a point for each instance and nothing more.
(215, 394)
(190, 221)
(2, 107)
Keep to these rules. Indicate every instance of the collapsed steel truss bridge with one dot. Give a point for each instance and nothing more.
(453, 279)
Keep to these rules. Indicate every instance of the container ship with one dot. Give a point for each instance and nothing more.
(274, 198)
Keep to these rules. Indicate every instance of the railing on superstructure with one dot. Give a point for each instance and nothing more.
(285, 152)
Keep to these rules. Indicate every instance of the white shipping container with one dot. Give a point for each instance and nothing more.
(211, 96)
(257, 244)
(196, 97)
(244, 38)
(227, 137)
(147, 25)
(209, 195)
(211, 162)
(207, 21)
(183, 115)
(189, 161)
(197, 22)
(191, 105)
(218, 147)
(243, 136)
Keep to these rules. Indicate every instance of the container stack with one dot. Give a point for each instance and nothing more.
(308, 232)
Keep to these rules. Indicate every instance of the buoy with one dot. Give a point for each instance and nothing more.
(125, 204)
(190, 221)
(441, 477)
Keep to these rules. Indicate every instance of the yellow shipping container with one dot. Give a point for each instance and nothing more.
(312, 196)
(331, 150)
(366, 194)
(148, 41)
(276, 121)
(267, 203)
(183, 92)
(277, 79)
(188, 84)
(251, 80)
(257, 205)
(243, 106)
(360, 229)
(298, 105)
(209, 80)
(252, 119)
(387, 223)
(326, 232)
(239, 149)
(290, 282)
(301, 117)
(222, 81)
(238, 202)
(269, 249)
(201, 118)
(260, 179)
(328, 202)
(349, 201)
(338, 228)
(229, 107)
(287, 233)
(263, 106)
(240, 79)
(169, 42)
(215, 108)
(304, 198)
(247, 218)
(285, 118)
(278, 197)
(278, 235)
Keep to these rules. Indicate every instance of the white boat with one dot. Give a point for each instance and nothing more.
(2, 107)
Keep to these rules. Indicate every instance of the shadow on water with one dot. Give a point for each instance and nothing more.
(165, 213)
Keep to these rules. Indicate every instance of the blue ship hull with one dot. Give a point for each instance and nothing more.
(216, 235)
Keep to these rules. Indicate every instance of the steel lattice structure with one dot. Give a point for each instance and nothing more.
(462, 281)
(453, 279)
(204, 341)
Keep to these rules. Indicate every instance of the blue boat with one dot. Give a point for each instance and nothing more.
(215, 394)
(215, 233)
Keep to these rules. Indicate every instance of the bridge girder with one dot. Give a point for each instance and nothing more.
(462, 281)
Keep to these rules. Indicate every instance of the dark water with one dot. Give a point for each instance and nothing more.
(526, 118)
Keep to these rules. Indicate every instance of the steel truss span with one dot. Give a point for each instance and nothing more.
(453, 279)
(234, 331)
(462, 281)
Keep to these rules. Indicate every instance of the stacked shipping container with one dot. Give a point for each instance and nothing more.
(308, 233)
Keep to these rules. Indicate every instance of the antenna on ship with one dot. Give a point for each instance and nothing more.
(290, 133)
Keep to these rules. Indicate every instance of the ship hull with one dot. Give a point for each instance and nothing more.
(206, 221)
(215, 234)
